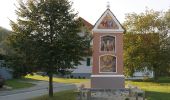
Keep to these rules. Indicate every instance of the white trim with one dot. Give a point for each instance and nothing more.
(95, 29)
(107, 31)
(99, 63)
(107, 76)
(114, 53)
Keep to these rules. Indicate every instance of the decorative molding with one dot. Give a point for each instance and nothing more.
(107, 31)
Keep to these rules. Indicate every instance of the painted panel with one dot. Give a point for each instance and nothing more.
(108, 43)
(107, 63)
(108, 23)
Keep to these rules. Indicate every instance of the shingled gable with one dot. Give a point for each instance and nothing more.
(108, 23)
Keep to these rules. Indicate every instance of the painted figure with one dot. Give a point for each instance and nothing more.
(108, 23)
(108, 43)
(107, 63)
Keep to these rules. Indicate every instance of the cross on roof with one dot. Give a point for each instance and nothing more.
(108, 5)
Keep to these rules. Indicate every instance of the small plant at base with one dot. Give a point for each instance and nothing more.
(127, 99)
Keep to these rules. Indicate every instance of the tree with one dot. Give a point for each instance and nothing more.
(45, 37)
(148, 38)
(4, 33)
(166, 46)
(138, 51)
(167, 18)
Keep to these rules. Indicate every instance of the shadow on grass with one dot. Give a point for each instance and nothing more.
(19, 83)
(63, 95)
(151, 95)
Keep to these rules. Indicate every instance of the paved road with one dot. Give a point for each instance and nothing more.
(41, 88)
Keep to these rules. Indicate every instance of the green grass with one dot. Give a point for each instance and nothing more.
(18, 83)
(59, 80)
(155, 90)
(64, 95)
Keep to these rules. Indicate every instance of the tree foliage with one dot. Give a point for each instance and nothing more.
(145, 43)
(4, 33)
(138, 51)
(45, 38)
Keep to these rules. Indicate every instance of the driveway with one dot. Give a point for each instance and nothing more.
(41, 88)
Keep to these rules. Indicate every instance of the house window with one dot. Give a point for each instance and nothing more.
(88, 62)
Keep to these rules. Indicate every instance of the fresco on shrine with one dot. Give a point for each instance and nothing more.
(108, 43)
(108, 23)
(107, 63)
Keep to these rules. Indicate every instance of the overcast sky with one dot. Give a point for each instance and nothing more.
(91, 10)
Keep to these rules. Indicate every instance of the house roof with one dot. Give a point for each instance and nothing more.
(86, 23)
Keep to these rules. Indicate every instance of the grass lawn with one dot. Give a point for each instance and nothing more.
(155, 90)
(64, 95)
(18, 83)
(59, 80)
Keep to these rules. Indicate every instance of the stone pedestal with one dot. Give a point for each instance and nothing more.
(107, 81)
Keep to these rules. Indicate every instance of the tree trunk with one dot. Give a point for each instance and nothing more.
(50, 85)
(156, 74)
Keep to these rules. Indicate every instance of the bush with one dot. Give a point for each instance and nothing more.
(79, 77)
(140, 94)
(2, 81)
(127, 99)
(71, 76)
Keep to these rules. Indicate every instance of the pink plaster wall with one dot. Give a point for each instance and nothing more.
(97, 53)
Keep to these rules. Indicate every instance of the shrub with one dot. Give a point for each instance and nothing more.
(79, 77)
(127, 99)
(2, 81)
(71, 76)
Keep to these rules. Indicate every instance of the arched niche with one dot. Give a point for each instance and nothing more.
(108, 64)
(107, 43)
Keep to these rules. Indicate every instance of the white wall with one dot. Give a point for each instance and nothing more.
(83, 68)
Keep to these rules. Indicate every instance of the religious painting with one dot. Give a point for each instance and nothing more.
(108, 23)
(107, 63)
(108, 43)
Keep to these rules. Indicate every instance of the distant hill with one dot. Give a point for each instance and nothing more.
(3, 33)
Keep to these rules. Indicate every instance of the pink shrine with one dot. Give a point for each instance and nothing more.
(107, 71)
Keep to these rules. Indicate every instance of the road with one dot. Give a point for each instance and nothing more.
(41, 88)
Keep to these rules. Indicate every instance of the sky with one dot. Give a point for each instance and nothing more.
(91, 10)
